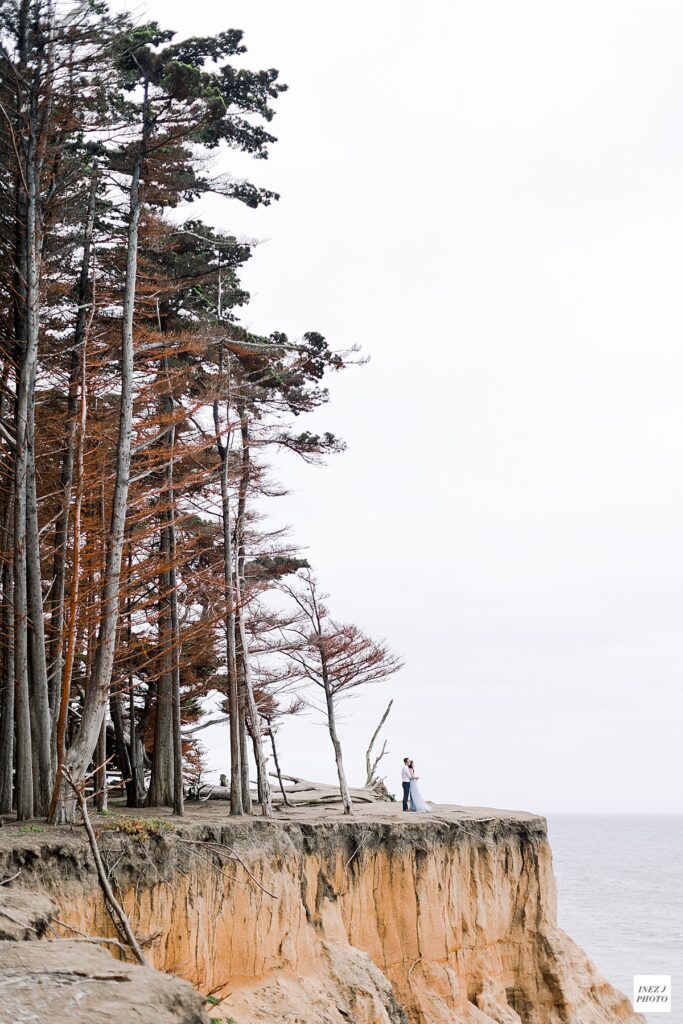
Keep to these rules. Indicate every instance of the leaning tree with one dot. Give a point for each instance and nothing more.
(332, 657)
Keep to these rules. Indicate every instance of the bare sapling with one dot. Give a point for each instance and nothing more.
(370, 765)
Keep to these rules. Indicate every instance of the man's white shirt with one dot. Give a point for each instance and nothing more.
(405, 773)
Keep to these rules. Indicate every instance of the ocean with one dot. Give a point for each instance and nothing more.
(620, 896)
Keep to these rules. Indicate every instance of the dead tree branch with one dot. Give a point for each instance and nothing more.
(371, 766)
(85, 938)
(116, 911)
(221, 847)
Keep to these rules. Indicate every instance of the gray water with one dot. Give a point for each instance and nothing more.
(620, 896)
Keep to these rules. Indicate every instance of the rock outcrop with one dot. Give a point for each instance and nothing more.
(76, 982)
(72, 983)
(24, 915)
(442, 919)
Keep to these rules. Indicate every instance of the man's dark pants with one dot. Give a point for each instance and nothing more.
(406, 795)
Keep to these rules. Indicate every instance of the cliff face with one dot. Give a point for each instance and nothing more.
(69, 982)
(447, 919)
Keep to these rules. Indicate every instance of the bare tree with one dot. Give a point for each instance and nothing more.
(370, 765)
(336, 658)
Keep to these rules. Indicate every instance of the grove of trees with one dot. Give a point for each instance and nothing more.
(136, 420)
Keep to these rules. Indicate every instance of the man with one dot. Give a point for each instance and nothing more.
(405, 778)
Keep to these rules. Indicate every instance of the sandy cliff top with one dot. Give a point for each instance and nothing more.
(214, 814)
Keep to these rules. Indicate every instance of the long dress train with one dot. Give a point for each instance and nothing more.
(419, 802)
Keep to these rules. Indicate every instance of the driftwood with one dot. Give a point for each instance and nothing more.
(303, 792)
(206, 792)
(300, 793)
(312, 798)
(96, 939)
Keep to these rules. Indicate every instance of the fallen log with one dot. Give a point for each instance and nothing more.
(300, 785)
(301, 793)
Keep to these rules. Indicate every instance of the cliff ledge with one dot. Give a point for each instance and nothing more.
(447, 918)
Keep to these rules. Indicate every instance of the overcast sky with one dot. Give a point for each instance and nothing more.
(487, 198)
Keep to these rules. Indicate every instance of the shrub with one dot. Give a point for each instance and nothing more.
(142, 829)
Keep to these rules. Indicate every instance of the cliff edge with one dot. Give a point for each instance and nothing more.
(447, 918)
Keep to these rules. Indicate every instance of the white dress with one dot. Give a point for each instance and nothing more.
(421, 805)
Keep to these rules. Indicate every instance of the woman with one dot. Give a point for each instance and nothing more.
(418, 802)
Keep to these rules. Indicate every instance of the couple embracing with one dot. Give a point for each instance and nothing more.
(412, 797)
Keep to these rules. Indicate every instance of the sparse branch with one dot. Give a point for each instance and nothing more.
(337, 657)
(371, 766)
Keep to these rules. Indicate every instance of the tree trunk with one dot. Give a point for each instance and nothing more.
(6, 611)
(7, 626)
(23, 783)
(67, 663)
(22, 796)
(260, 795)
(173, 617)
(35, 100)
(135, 788)
(254, 720)
(161, 786)
(252, 710)
(61, 536)
(57, 589)
(178, 795)
(100, 777)
(38, 685)
(135, 780)
(27, 351)
(24, 753)
(166, 785)
(236, 806)
(244, 751)
(244, 760)
(276, 761)
(121, 744)
(332, 727)
(83, 745)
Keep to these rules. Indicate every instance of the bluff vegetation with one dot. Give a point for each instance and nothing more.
(136, 420)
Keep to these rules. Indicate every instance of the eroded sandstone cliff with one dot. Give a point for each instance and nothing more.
(75, 982)
(442, 919)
